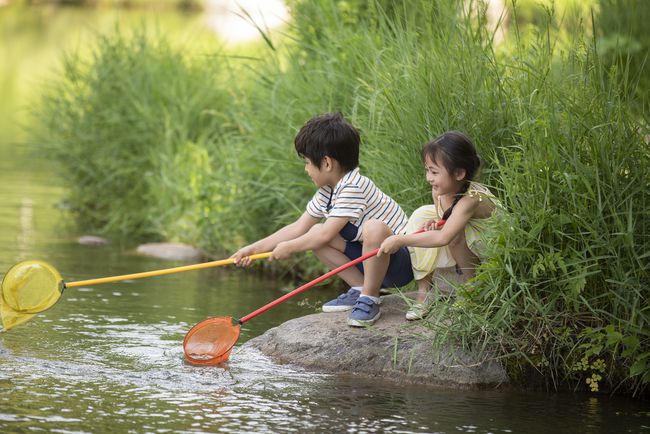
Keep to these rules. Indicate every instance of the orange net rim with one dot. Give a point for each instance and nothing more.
(219, 358)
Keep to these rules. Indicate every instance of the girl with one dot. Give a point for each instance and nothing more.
(451, 163)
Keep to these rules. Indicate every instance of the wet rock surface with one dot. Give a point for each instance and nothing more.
(392, 348)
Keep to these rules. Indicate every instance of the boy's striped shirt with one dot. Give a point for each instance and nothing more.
(357, 198)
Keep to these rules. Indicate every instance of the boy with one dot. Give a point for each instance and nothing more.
(358, 217)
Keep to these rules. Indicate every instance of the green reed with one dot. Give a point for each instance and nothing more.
(156, 146)
(117, 119)
(566, 290)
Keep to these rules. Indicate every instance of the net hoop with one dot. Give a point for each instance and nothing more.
(210, 341)
(21, 278)
(28, 288)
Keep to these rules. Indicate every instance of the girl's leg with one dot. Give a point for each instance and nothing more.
(419, 309)
(424, 286)
(466, 260)
(423, 260)
(332, 255)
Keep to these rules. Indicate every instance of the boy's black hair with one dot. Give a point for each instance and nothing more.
(454, 150)
(329, 135)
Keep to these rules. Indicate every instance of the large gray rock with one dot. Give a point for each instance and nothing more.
(170, 251)
(392, 348)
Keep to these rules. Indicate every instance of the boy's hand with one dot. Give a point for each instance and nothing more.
(390, 245)
(242, 256)
(282, 251)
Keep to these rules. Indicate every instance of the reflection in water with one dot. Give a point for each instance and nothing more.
(26, 227)
(119, 366)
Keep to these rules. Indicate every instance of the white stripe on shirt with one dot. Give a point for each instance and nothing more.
(357, 198)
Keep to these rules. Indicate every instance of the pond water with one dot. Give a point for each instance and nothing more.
(108, 358)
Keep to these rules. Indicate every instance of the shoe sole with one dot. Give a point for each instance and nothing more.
(329, 309)
(359, 323)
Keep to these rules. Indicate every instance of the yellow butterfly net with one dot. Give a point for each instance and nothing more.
(31, 287)
(27, 289)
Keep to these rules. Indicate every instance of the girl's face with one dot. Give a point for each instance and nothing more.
(442, 181)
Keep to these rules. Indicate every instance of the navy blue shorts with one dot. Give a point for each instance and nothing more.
(399, 269)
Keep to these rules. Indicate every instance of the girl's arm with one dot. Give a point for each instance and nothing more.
(463, 211)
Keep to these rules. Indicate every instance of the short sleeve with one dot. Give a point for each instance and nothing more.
(316, 206)
(350, 202)
(479, 191)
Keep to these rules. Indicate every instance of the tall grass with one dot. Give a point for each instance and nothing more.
(125, 125)
(625, 44)
(565, 290)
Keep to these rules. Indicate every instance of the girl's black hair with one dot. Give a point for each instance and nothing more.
(454, 150)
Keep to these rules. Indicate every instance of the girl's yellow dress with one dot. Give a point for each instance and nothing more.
(425, 260)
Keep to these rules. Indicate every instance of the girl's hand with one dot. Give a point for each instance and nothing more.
(430, 225)
(282, 251)
(390, 245)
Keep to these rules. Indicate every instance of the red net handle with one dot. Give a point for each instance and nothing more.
(318, 280)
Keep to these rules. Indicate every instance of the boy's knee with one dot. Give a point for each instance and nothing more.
(337, 242)
(375, 231)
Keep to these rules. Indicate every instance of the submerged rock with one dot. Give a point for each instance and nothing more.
(393, 348)
(92, 240)
(170, 251)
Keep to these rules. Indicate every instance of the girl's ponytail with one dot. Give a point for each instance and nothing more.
(459, 195)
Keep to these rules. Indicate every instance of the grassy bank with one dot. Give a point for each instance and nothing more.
(162, 148)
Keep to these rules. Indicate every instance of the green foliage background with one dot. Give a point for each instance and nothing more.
(160, 144)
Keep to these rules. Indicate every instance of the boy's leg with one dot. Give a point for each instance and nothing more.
(332, 255)
(466, 260)
(366, 310)
(374, 269)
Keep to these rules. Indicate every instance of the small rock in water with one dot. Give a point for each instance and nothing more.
(170, 251)
(92, 240)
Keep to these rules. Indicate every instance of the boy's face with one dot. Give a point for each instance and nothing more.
(315, 173)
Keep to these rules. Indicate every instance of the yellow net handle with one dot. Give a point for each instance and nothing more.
(161, 272)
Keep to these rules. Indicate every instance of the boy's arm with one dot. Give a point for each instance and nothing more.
(313, 239)
(289, 232)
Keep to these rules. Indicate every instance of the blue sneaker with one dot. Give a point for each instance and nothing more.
(364, 313)
(343, 302)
